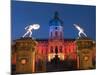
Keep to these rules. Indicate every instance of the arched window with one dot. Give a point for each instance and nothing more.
(56, 33)
(56, 49)
(51, 49)
(51, 34)
(61, 35)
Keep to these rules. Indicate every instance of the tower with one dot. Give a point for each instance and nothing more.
(56, 28)
(56, 47)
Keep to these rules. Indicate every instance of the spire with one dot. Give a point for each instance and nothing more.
(56, 21)
(56, 15)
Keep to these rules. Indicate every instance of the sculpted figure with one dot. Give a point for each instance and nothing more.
(81, 31)
(30, 28)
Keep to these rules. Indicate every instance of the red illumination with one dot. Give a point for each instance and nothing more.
(43, 48)
(14, 59)
(67, 48)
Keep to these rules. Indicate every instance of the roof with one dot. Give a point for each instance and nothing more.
(56, 21)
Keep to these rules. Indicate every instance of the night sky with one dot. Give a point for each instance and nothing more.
(26, 13)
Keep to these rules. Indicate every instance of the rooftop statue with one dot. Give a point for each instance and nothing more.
(81, 30)
(30, 28)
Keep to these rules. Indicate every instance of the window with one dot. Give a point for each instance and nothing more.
(61, 35)
(56, 33)
(56, 50)
(56, 28)
(51, 50)
(61, 49)
(51, 34)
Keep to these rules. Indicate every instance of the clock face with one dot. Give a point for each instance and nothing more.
(23, 61)
(86, 58)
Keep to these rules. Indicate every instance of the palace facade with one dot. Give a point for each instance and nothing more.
(56, 46)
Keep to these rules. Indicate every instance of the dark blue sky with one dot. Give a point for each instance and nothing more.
(25, 13)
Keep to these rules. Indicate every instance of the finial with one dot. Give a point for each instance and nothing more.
(56, 14)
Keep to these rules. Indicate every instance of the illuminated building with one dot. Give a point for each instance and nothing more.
(59, 48)
(56, 44)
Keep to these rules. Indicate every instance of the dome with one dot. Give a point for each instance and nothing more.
(56, 21)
